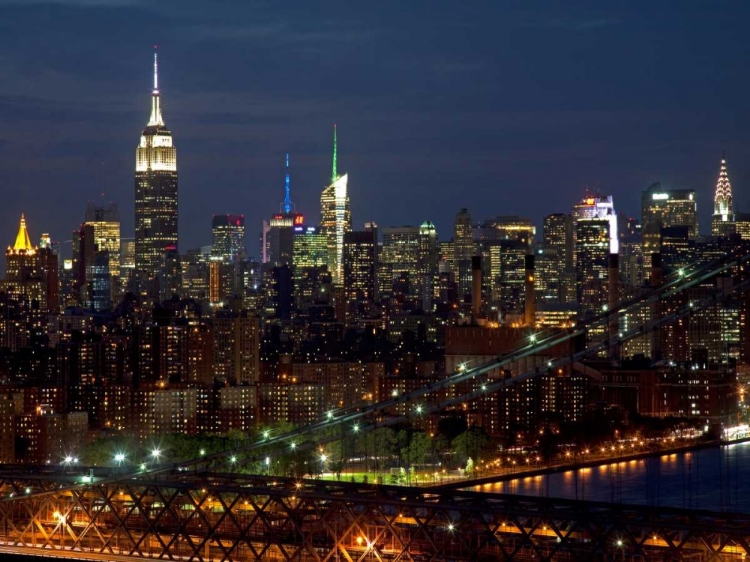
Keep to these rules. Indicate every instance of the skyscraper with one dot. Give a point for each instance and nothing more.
(335, 217)
(105, 222)
(228, 237)
(23, 275)
(155, 191)
(359, 273)
(464, 248)
(310, 265)
(93, 270)
(666, 208)
(597, 207)
(722, 223)
(399, 258)
(278, 233)
(592, 254)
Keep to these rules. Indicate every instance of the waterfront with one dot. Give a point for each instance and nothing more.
(714, 478)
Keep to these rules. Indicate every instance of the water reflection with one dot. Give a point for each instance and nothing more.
(712, 478)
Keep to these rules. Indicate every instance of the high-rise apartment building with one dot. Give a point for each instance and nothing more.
(236, 337)
(666, 208)
(722, 222)
(335, 217)
(155, 191)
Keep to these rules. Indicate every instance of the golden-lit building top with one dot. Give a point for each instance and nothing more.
(23, 242)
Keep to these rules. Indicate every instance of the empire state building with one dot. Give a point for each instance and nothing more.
(155, 191)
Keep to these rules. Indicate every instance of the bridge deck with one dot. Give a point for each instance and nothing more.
(241, 517)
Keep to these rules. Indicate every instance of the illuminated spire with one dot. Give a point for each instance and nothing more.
(156, 118)
(334, 175)
(723, 206)
(287, 206)
(23, 242)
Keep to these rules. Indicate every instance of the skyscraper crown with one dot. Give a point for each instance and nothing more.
(287, 206)
(723, 198)
(334, 172)
(23, 241)
(156, 119)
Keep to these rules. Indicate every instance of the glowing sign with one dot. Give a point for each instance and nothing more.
(299, 219)
(589, 201)
(660, 196)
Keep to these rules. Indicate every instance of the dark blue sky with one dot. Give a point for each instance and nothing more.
(501, 107)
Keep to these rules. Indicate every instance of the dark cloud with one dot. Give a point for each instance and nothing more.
(498, 107)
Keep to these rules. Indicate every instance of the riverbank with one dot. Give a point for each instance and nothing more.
(513, 473)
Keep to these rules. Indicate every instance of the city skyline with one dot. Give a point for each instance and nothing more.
(495, 169)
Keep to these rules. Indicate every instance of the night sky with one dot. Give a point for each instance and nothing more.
(500, 107)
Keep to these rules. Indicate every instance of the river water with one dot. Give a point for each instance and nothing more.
(717, 478)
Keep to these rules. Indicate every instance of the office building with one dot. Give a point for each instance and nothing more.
(359, 274)
(666, 208)
(722, 222)
(335, 217)
(592, 249)
(155, 191)
(597, 207)
(507, 228)
(228, 237)
(28, 272)
(463, 249)
(105, 222)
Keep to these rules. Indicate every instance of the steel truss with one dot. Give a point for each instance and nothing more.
(237, 517)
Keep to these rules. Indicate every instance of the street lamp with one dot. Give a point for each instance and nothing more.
(119, 458)
(156, 453)
(268, 465)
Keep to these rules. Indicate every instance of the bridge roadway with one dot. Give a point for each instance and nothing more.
(241, 517)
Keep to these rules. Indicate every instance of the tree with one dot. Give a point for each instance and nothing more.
(416, 450)
(378, 445)
(473, 443)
